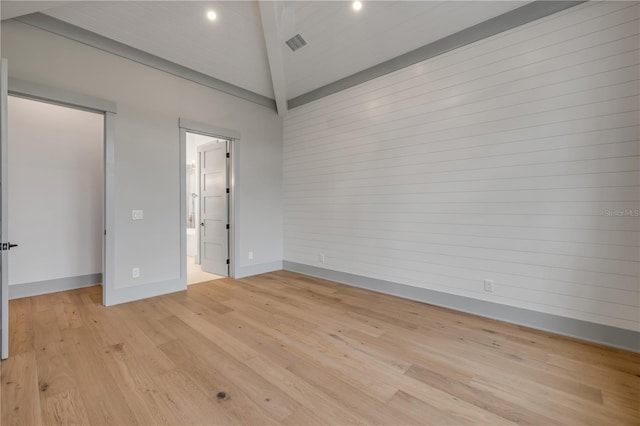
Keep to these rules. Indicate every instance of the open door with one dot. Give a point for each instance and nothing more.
(4, 265)
(214, 207)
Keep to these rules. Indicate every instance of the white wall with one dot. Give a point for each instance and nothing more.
(498, 160)
(147, 177)
(55, 192)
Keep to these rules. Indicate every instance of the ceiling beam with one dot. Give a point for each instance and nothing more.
(520, 16)
(269, 16)
(72, 32)
(13, 8)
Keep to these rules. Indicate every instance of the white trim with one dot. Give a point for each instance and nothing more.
(144, 291)
(182, 155)
(208, 130)
(109, 248)
(262, 268)
(17, 291)
(269, 13)
(30, 90)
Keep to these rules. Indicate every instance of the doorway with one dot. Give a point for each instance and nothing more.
(56, 199)
(207, 207)
(59, 97)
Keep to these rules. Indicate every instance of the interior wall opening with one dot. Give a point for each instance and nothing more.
(56, 197)
(207, 208)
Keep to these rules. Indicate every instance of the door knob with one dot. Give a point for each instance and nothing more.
(201, 223)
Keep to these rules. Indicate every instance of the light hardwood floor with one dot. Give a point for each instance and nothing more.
(283, 348)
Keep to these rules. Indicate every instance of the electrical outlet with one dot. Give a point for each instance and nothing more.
(135, 273)
(488, 286)
(321, 258)
(250, 255)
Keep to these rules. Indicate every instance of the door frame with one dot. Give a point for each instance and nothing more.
(62, 97)
(188, 126)
(4, 256)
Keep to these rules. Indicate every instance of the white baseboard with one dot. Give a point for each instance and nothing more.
(247, 271)
(144, 291)
(584, 330)
(17, 291)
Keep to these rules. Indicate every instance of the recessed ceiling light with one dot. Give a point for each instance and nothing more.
(211, 15)
(357, 5)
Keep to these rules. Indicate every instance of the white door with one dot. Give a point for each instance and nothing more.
(4, 275)
(214, 210)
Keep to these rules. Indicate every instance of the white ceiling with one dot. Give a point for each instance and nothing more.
(341, 42)
(230, 49)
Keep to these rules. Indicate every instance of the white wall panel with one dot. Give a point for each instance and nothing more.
(506, 159)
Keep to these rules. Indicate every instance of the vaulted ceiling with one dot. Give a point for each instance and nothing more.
(245, 44)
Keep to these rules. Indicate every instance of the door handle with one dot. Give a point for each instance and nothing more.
(7, 246)
(201, 223)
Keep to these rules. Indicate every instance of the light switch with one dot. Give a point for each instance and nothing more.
(137, 215)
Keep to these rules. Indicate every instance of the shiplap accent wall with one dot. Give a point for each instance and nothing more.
(498, 160)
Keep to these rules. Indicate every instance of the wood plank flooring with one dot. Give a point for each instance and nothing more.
(283, 348)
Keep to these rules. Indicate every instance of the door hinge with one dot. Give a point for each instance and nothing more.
(228, 189)
(228, 155)
(228, 226)
(228, 261)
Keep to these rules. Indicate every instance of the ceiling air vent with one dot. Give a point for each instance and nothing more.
(296, 42)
